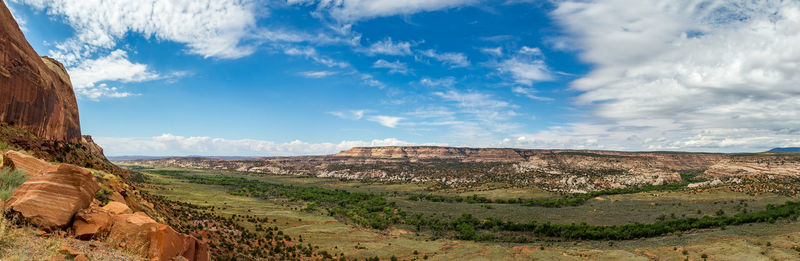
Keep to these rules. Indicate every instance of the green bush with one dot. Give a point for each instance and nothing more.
(102, 196)
(9, 181)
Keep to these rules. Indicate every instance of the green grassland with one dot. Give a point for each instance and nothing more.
(756, 241)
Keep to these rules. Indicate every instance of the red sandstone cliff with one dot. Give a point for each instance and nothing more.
(35, 92)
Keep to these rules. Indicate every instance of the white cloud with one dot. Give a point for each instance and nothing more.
(103, 91)
(705, 75)
(317, 74)
(349, 115)
(354, 10)
(530, 93)
(387, 121)
(20, 21)
(282, 36)
(88, 78)
(454, 60)
(442, 82)
(388, 47)
(483, 116)
(526, 67)
(172, 145)
(530, 50)
(497, 51)
(473, 99)
(311, 53)
(370, 80)
(394, 67)
(211, 28)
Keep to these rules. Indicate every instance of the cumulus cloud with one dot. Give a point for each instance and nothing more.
(706, 75)
(211, 28)
(526, 66)
(89, 78)
(354, 10)
(371, 81)
(172, 145)
(387, 47)
(454, 60)
(394, 67)
(387, 121)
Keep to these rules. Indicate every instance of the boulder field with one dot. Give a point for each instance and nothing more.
(62, 197)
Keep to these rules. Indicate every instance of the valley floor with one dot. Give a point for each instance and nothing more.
(777, 240)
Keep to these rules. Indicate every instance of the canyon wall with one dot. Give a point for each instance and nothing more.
(35, 92)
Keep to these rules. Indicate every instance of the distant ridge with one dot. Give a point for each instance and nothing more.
(139, 157)
(787, 149)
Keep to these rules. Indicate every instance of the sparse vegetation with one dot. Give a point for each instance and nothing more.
(102, 196)
(374, 211)
(9, 181)
(570, 200)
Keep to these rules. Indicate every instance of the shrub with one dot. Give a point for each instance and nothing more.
(9, 181)
(102, 195)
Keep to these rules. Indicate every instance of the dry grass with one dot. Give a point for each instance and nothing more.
(23, 243)
(9, 181)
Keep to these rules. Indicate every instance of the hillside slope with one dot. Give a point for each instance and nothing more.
(58, 192)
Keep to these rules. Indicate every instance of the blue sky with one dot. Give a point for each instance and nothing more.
(239, 77)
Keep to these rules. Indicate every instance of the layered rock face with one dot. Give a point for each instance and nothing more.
(29, 165)
(35, 92)
(50, 200)
(139, 233)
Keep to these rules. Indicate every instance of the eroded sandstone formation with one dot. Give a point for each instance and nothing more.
(35, 92)
(51, 199)
(29, 165)
(64, 197)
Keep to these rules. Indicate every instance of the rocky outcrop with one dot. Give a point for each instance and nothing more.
(96, 221)
(35, 93)
(117, 208)
(92, 147)
(51, 199)
(29, 165)
(93, 222)
(141, 234)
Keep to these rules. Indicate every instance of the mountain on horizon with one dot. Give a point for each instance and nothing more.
(786, 149)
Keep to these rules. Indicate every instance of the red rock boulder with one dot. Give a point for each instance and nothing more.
(35, 93)
(93, 222)
(30, 165)
(141, 234)
(117, 208)
(50, 200)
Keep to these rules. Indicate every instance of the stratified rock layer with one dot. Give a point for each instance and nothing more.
(35, 92)
(50, 200)
(141, 234)
(29, 165)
